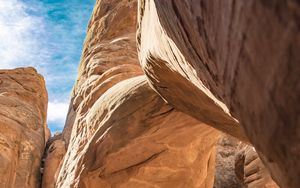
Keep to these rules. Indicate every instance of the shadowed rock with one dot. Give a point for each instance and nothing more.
(220, 60)
(250, 169)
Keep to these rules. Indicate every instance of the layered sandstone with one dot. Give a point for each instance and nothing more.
(23, 107)
(215, 60)
(119, 132)
(238, 165)
(250, 169)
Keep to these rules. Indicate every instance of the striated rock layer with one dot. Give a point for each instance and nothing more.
(250, 169)
(23, 107)
(218, 59)
(119, 132)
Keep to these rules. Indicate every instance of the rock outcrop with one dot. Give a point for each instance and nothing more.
(224, 60)
(119, 132)
(250, 169)
(145, 104)
(23, 107)
(131, 138)
(53, 156)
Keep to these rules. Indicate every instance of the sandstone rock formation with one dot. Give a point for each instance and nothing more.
(131, 138)
(54, 153)
(23, 106)
(251, 171)
(119, 132)
(231, 65)
(215, 60)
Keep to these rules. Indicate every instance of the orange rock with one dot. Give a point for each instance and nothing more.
(23, 107)
(119, 132)
(131, 138)
(55, 154)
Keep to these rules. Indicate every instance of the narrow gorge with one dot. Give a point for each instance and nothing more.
(169, 94)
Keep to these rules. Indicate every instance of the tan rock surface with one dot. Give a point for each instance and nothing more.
(109, 55)
(211, 59)
(23, 107)
(131, 138)
(119, 132)
(54, 153)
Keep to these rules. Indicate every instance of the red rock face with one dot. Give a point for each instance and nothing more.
(215, 60)
(23, 106)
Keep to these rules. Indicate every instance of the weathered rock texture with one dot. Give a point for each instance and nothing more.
(250, 169)
(54, 153)
(119, 132)
(211, 59)
(225, 176)
(238, 165)
(23, 106)
(131, 138)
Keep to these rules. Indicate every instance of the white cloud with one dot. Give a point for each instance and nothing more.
(20, 35)
(57, 112)
(47, 35)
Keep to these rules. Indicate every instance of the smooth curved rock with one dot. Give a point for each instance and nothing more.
(131, 138)
(109, 55)
(119, 132)
(23, 108)
(215, 60)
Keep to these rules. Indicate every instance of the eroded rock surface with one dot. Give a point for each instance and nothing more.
(119, 131)
(250, 169)
(225, 176)
(238, 165)
(53, 157)
(131, 138)
(215, 60)
(23, 107)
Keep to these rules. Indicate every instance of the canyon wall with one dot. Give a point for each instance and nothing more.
(119, 132)
(219, 59)
(159, 79)
(156, 83)
(23, 129)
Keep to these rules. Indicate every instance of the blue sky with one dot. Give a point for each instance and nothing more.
(48, 35)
